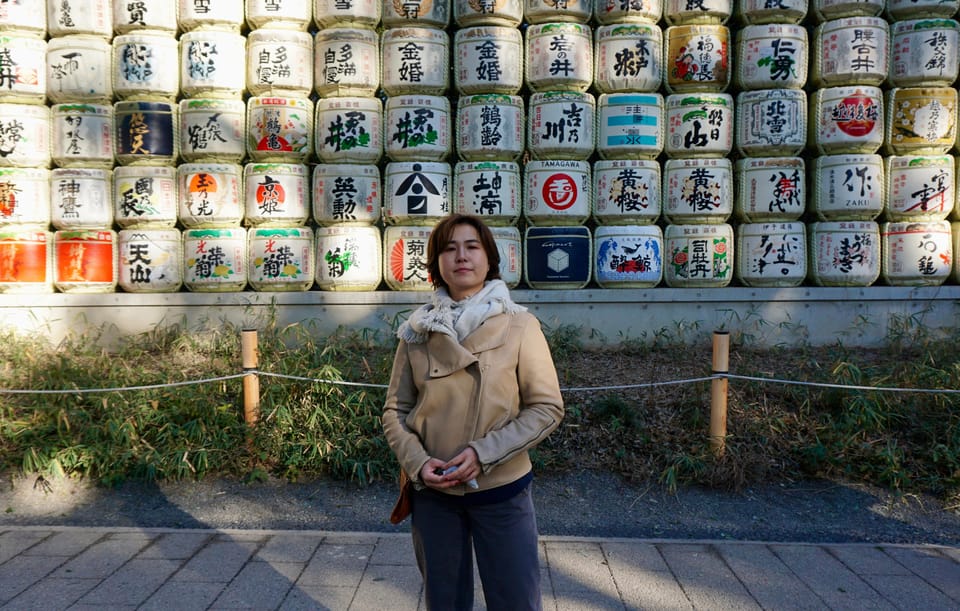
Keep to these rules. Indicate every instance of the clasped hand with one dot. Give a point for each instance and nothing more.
(466, 462)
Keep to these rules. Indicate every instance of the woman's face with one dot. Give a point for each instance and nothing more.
(463, 262)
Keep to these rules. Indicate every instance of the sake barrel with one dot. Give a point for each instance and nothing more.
(698, 256)
(81, 198)
(145, 197)
(628, 256)
(696, 58)
(607, 12)
(626, 191)
(418, 128)
(559, 257)
(771, 254)
(851, 51)
(844, 253)
(762, 11)
(24, 68)
(771, 122)
(629, 57)
(490, 127)
(215, 260)
(846, 119)
(488, 59)
(356, 13)
(279, 62)
(398, 14)
(509, 247)
(557, 192)
(697, 191)
(146, 66)
(559, 57)
(280, 258)
(276, 195)
(955, 272)
(551, 11)
(85, 261)
(926, 52)
(79, 69)
(699, 125)
(24, 135)
(151, 260)
(770, 189)
(346, 194)
(346, 62)
(209, 195)
(416, 60)
(26, 260)
(561, 125)
(681, 12)
(825, 10)
(208, 64)
(405, 258)
(82, 135)
(848, 187)
(488, 189)
(488, 12)
(416, 193)
(24, 198)
(146, 133)
(630, 125)
(916, 253)
(199, 15)
(349, 258)
(290, 14)
(213, 130)
(921, 120)
(919, 187)
(772, 56)
(898, 10)
(158, 15)
(28, 17)
(279, 129)
(349, 130)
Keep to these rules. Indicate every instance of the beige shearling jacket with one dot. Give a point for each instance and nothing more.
(496, 392)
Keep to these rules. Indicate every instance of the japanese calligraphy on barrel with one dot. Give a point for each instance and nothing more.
(346, 194)
(209, 195)
(405, 258)
(276, 195)
(280, 258)
(26, 260)
(916, 253)
(698, 256)
(145, 196)
(490, 127)
(628, 256)
(557, 192)
(843, 253)
(771, 254)
(85, 261)
(349, 258)
(215, 260)
(488, 189)
(847, 187)
(919, 188)
(697, 191)
(81, 198)
(416, 193)
(346, 62)
(770, 189)
(151, 260)
(626, 191)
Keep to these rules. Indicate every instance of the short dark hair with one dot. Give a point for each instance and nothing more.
(443, 232)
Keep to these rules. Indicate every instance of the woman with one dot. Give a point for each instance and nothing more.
(473, 388)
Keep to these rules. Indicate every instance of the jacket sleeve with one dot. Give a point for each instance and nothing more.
(401, 398)
(541, 404)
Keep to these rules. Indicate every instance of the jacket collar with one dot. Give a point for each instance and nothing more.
(447, 356)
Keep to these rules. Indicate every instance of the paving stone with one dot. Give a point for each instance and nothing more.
(705, 578)
(394, 550)
(174, 545)
(183, 596)
(219, 560)
(910, 592)
(831, 580)
(584, 600)
(132, 583)
(102, 558)
(260, 585)
(51, 593)
(580, 567)
(388, 587)
(14, 542)
(770, 582)
(22, 572)
(304, 598)
(937, 569)
(289, 548)
(336, 565)
(867, 560)
(66, 543)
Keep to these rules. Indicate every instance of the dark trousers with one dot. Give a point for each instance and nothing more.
(446, 533)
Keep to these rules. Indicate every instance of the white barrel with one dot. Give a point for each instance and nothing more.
(921, 120)
(85, 261)
(357, 13)
(772, 254)
(25, 197)
(26, 260)
(847, 187)
(559, 57)
(771, 122)
(468, 13)
(681, 12)
(488, 189)
(630, 125)
(898, 10)
(416, 193)
(208, 64)
(488, 59)
(398, 14)
(607, 12)
(209, 195)
(626, 192)
(158, 15)
(955, 272)
(697, 191)
(843, 253)
(696, 58)
(698, 256)
(629, 58)
(846, 119)
(24, 135)
(289, 14)
(146, 133)
(346, 194)
(79, 69)
(279, 129)
(29, 17)
(559, 257)
(279, 62)
(549, 11)
(24, 68)
(916, 253)
(280, 258)
(346, 62)
(405, 258)
(557, 192)
(490, 127)
(628, 256)
(81, 198)
(199, 15)
(825, 10)
(146, 66)
(213, 130)
(418, 128)
(215, 260)
(416, 60)
(772, 56)
(919, 188)
(349, 129)
(349, 258)
(276, 195)
(561, 125)
(699, 125)
(770, 189)
(926, 52)
(82, 135)
(145, 197)
(851, 51)
(509, 247)
(763, 11)
(151, 260)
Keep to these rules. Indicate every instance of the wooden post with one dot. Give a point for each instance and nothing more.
(718, 392)
(251, 381)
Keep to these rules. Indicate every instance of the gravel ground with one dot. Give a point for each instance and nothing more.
(586, 503)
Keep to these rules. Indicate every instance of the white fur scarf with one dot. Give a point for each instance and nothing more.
(457, 319)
